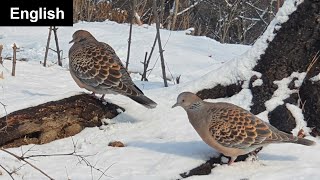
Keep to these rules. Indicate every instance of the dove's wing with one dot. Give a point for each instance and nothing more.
(238, 128)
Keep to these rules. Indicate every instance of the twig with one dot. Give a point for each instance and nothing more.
(14, 60)
(150, 54)
(7, 171)
(1, 47)
(106, 170)
(23, 153)
(178, 79)
(154, 6)
(145, 67)
(165, 44)
(22, 159)
(47, 47)
(57, 45)
(170, 74)
(62, 154)
(68, 178)
(301, 104)
(6, 126)
(130, 33)
(81, 158)
(53, 50)
(15, 171)
(314, 60)
(187, 9)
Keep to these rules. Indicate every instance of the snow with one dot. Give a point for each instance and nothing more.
(240, 69)
(315, 78)
(283, 92)
(160, 143)
(298, 116)
(257, 82)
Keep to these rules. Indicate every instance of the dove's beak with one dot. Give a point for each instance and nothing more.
(175, 105)
(71, 41)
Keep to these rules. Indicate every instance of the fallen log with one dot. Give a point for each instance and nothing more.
(54, 120)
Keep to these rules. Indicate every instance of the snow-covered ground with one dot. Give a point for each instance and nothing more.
(160, 143)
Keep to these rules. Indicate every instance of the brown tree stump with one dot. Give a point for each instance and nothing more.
(54, 120)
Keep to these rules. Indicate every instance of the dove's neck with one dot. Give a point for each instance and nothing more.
(195, 106)
(194, 111)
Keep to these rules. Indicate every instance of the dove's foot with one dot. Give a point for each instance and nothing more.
(255, 152)
(232, 159)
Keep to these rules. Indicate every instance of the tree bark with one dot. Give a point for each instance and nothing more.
(53, 120)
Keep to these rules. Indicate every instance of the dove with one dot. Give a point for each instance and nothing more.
(230, 129)
(96, 67)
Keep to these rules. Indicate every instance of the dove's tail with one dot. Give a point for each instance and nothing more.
(289, 138)
(305, 142)
(144, 100)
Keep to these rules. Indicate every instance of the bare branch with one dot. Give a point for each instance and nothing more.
(188, 8)
(159, 43)
(6, 126)
(255, 7)
(313, 61)
(145, 67)
(106, 171)
(10, 174)
(22, 159)
(130, 32)
(47, 47)
(170, 74)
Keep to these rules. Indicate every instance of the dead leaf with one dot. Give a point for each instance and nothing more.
(116, 144)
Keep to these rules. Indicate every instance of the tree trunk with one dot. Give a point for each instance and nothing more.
(176, 7)
(53, 120)
(292, 50)
(161, 11)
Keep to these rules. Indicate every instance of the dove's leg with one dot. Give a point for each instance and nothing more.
(255, 152)
(232, 159)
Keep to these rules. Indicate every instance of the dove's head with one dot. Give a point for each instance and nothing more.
(186, 100)
(81, 35)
